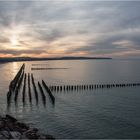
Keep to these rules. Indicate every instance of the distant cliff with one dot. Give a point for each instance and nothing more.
(54, 58)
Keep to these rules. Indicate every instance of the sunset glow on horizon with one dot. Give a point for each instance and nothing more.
(57, 29)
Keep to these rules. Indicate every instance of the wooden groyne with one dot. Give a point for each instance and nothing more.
(47, 68)
(42, 93)
(23, 79)
(34, 88)
(24, 89)
(18, 86)
(39, 90)
(29, 88)
(15, 84)
(49, 92)
(60, 88)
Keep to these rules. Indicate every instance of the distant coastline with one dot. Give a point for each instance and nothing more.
(13, 59)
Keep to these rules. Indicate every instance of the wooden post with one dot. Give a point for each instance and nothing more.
(34, 87)
(42, 93)
(14, 82)
(18, 86)
(24, 88)
(49, 92)
(29, 88)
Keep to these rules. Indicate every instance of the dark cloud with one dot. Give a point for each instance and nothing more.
(19, 52)
(49, 35)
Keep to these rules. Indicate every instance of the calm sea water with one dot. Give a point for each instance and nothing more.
(102, 113)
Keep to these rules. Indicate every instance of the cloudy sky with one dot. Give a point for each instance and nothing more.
(70, 28)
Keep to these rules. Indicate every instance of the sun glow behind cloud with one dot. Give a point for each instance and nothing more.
(57, 28)
(14, 41)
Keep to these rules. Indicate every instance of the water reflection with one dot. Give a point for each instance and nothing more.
(22, 78)
(15, 68)
(80, 113)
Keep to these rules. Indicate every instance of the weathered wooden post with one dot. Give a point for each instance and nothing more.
(42, 93)
(29, 88)
(24, 88)
(49, 92)
(14, 82)
(9, 97)
(64, 88)
(34, 88)
(18, 86)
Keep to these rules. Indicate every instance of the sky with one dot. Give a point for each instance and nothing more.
(70, 28)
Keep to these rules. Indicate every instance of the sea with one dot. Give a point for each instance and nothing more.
(98, 113)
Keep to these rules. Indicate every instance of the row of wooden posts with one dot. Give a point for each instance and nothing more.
(22, 77)
(90, 87)
(16, 83)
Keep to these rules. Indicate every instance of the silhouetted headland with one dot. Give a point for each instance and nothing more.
(12, 59)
